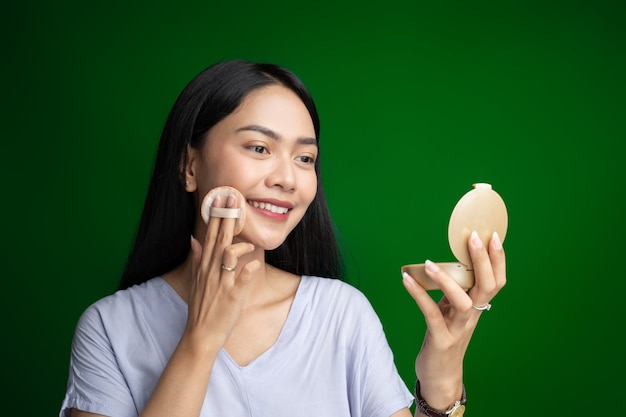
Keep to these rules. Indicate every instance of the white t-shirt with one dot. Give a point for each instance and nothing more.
(331, 358)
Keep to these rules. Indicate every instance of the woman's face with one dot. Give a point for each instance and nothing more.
(267, 150)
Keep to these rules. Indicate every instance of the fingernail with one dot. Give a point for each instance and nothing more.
(497, 243)
(431, 266)
(407, 278)
(193, 244)
(476, 240)
(217, 202)
(230, 201)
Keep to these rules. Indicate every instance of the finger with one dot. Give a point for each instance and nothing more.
(455, 294)
(498, 260)
(230, 260)
(245, 277)
(485, 282)
(226, 225)
(196, 254)
(219, 235)
(210, 238)
(426, 304)
(225, 234)
(214, 242)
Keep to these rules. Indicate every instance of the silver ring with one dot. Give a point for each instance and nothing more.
(228, 268)
(483, 308)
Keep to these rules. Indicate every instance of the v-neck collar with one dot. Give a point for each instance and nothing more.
(286, 333)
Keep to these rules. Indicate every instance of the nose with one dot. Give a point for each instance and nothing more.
(282, 174)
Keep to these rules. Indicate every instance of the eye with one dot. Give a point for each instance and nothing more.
(306, 159)
(258, 149)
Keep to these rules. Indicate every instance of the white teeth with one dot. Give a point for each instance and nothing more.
(269, 207)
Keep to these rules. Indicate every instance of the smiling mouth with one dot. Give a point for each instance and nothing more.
(269, 207)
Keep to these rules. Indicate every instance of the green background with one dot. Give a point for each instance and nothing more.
(418, 100)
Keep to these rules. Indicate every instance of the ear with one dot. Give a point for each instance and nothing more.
(189, 169)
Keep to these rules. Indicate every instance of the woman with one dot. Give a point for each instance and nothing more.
(209, 323)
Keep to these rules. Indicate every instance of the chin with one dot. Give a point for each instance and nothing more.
(269, 241)
(267, 244)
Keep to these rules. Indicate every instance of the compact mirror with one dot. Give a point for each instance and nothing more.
(480, 209)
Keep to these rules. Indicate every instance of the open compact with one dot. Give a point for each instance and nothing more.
(480, 209)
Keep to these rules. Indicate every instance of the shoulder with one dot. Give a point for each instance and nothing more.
(124, 306)
(122, 299)
(336, 297)
(329, 288)
(338, 308)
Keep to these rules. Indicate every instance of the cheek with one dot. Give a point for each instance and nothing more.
(222, 171)
(311, 188)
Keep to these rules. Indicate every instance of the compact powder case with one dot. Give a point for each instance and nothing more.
(482, 210)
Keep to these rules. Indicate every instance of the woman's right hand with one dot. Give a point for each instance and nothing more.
(216, 298)
(217, 294)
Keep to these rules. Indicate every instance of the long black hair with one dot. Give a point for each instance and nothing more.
(169, 213)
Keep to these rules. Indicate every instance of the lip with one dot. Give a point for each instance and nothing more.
(270, 214)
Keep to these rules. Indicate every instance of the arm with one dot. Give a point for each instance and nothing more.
(215, 301)
(214, 304)
(451, 322)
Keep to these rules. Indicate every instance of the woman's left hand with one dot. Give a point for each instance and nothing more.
(452, 321)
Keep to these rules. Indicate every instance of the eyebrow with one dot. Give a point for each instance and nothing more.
(273, 135)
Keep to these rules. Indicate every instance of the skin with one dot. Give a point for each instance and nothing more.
(266, 149)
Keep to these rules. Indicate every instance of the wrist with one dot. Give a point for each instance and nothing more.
(440, 406)
(440, 369)
(198, 349)
(440, 391)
